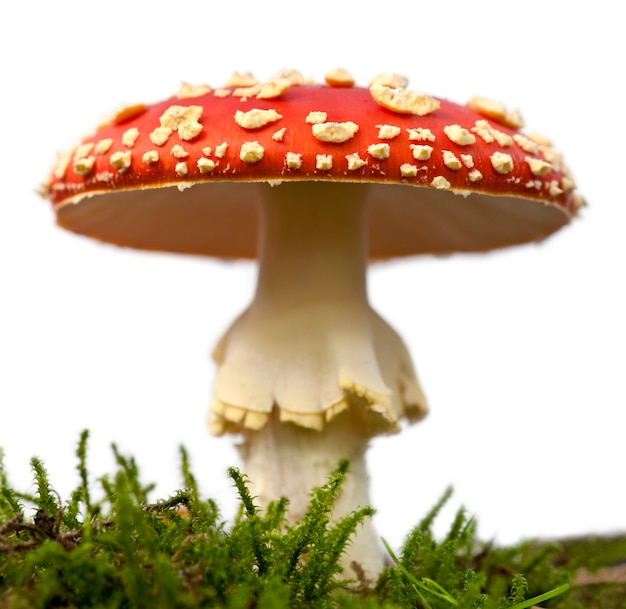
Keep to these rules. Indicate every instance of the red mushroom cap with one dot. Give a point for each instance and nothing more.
(129, 183)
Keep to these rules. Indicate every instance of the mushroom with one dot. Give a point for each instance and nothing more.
(314, 181)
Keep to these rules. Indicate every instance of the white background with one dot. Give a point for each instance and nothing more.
(521, 352)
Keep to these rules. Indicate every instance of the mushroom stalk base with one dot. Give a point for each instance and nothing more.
(286, 460)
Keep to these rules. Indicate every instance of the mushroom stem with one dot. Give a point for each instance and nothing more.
(312, 245)
(309, 372)
(310, 344)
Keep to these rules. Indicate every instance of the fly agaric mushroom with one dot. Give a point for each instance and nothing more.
(314, 181)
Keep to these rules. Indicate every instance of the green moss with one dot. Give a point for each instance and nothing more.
(126, 551)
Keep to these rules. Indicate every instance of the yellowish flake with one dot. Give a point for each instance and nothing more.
(149, 157)
(421, 134)
(379, 151)
(181, 169)
(186, 90)
(316, 117)
(440, 183)
(335, 133)
(128, 112)
(395, 81)
(221, 93)
(483, 129)
(540, 139)
(554, 189)
(220, 151)
(237, 79)
(475, 176)
(468, 160)
(121, 160)
(568, 184)
(421, 152)
(526, 144)
(408, 171)
(183, 119)
(292, 76)
(451, 161)
(160, 135)
(84, 166)
(538, 167)
(205, 165)
(324, 162)
(504, 139)
(496, 110)
(459, 135)
(388, 132)
(279, 135)
(502, 162)
(355, 161)
(403, 101)
(129, 137)
(207, 151)
(339, 77)
(489, 134)
(274, 88)
(174, 116)
(256, 118)
(251, 152)
(553, 156)
(178, 152)
(293, 160)
(103, 146)
(247, 92)
(188, 131)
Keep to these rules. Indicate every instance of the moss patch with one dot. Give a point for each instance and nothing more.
(125, 550)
